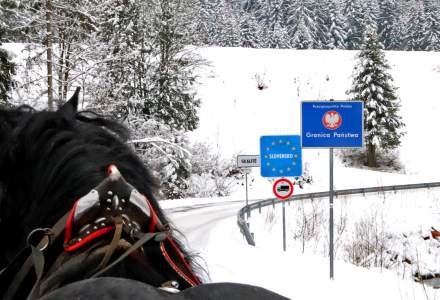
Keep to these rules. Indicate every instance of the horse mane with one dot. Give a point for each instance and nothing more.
(48, 160)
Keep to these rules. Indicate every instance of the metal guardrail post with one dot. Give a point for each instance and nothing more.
(244, 228)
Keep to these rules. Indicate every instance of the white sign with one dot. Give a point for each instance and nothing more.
(283, 188)
(248, 161)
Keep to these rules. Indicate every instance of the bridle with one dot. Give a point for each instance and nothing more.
(112, 209)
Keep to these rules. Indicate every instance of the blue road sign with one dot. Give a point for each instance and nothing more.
(332, 124)
(281, 156)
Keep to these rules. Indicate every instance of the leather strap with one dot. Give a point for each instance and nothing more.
(113, 244)
(38, 262)
(56, 230)
(145, 238)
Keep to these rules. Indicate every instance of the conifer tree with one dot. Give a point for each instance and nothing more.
(413, 32)
(431, 26)
(271, 15)
(388, 25)
(250, 33)
(355, 23)
(172, 98)
(206, 23)
(302, 26)
(374, 86)
(321, 14)
(122, 48)
(336, 34)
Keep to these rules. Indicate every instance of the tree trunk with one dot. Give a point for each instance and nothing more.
(61, 45)
(371, 156)
(66, 71)
(49, 54)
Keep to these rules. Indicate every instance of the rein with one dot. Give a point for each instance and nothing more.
(114, 205)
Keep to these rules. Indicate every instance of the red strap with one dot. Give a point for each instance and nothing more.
(88, 238)
(175, 267)
(68, 234)
(193, 280)
(182, 258)
(153, 217)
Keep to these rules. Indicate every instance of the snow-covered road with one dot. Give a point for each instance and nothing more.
(196, 222)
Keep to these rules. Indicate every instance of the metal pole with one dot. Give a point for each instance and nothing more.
(284, 225)
(245, 176)
(331, 215)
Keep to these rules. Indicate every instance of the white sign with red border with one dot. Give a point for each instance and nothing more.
(283, 188)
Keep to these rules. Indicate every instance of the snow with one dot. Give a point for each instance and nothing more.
(234, 114)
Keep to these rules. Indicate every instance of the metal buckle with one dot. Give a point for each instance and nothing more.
(38, 236)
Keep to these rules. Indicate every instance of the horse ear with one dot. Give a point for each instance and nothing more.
(71, 106)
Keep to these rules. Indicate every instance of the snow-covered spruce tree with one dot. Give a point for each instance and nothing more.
(371, 11)
(147, 79)
(374, 86)
(301, 25)
(205, 23)
(250, 32)
(171, 97)
(125, 57)
(271, 16)
(321, 15)
(413, 32)
(387, 27)
(7, 68)
(355, 23)
(9, 20)
(335, 27)
(431, 26)
(228, 30)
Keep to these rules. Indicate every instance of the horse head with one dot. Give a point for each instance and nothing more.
(75, 169)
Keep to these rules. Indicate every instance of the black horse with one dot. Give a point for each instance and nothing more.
(79, 218)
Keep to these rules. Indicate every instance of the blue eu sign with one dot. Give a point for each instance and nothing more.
(332, 124)
(281, 156)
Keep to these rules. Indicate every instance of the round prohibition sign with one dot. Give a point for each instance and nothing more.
(283, 188)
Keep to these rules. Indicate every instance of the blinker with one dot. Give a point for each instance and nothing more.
(93, 215)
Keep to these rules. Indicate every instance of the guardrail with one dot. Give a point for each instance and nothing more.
(244, 228)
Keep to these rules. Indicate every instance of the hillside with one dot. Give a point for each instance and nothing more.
(235, 113)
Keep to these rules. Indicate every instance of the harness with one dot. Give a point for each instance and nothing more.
(111, 209)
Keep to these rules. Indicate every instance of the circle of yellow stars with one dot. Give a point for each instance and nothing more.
(281, 171)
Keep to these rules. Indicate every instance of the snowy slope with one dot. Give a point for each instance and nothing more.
(235, 113)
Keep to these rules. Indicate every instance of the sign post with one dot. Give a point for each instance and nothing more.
(283, 189)
(245, 162)
(281, 156)
(331, 221)
(334, 124)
